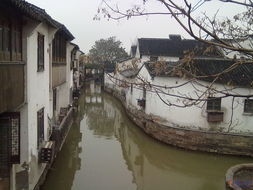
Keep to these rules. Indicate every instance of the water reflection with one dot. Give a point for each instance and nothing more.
(117, 155)
(99, 119)
(68, 161)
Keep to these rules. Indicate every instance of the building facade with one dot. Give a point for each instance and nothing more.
(181, 98)
(35, 59)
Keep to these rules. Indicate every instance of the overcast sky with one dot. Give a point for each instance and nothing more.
(77, 16)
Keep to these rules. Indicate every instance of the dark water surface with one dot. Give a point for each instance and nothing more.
(106, 151)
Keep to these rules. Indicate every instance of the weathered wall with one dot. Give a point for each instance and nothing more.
(207, 141)
(196, 116)
(63, 90)
(36, 97)
(59, 74)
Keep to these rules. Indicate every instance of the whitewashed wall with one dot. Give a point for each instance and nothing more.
(63, 91)
(194, 117)
(37, 97)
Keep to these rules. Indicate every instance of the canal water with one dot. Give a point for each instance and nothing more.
(106, 151)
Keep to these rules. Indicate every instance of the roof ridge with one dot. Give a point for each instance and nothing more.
(40, 14)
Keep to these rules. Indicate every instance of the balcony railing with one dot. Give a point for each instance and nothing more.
(11, 86)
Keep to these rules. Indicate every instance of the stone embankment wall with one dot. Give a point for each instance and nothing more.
(208, 141)
(59, 135)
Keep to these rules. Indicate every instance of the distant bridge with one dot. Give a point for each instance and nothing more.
(93, 72)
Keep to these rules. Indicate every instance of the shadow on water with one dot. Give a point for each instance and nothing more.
(105, 150)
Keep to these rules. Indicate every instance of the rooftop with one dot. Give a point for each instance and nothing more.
(205, 69)
(174, 47)
(37, 13)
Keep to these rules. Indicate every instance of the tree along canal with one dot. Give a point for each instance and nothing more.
(106, 151)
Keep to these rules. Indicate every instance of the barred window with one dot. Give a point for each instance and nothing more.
(213, 104)
(40, 127)
(248, 106)
(9, 140)
(40, 52)
(59, 49)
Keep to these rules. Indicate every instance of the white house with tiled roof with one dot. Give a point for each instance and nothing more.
(184, 94)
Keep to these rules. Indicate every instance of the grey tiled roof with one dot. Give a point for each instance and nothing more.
(175, 47)
(205, 69)
(37, 13)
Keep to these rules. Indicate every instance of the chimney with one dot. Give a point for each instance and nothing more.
(175, 37)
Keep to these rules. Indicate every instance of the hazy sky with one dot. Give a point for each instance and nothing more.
(77, 16)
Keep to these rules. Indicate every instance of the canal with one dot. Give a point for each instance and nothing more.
(106, 151)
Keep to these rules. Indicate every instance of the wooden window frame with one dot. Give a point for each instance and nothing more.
(248, 106)
(40, 128)
(11, 38)
(41, 52)
(59, 49)
(13, 136)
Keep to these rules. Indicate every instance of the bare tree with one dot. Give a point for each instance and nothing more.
(204, 28)
(227, 34)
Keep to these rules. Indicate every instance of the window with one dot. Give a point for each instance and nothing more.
(54, 99)
(153, 58)
(40, 52)
(10, 38)
(59, 49)
(248, 106)
(9, 141)
(213, 104)
(16, 41)
(6, 41)
(40, 127)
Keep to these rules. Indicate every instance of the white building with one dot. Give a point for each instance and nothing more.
(35, 56)
(62, 74)
(166, 91)
(76, 66)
